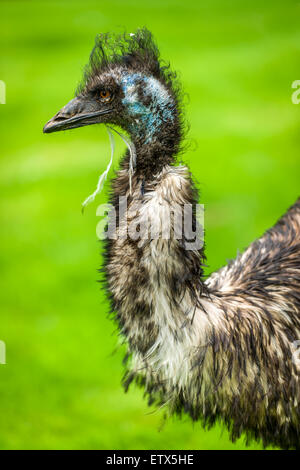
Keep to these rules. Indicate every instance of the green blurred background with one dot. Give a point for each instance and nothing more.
(237, 60)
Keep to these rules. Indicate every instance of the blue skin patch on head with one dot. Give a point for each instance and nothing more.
(147, 118)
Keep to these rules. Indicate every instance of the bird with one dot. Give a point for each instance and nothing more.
(218, 348)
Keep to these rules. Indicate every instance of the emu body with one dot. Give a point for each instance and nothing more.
(218, 349)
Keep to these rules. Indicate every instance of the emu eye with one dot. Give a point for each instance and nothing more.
(105, 95)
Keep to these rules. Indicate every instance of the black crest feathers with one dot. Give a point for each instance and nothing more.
(134, 51)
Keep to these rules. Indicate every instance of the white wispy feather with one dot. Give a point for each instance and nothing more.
(103, 176)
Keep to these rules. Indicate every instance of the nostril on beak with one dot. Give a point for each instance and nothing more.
(63, 115)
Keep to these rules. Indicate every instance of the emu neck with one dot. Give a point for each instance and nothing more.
(156, 134)
(156, 153)
(159, 279)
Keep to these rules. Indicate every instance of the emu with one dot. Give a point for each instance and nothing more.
(222, 348)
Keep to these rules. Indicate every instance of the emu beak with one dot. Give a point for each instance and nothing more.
(77, 113)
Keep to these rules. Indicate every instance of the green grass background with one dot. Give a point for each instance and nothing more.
(237, 60)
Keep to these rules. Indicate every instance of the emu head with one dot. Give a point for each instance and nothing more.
(126, 85)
